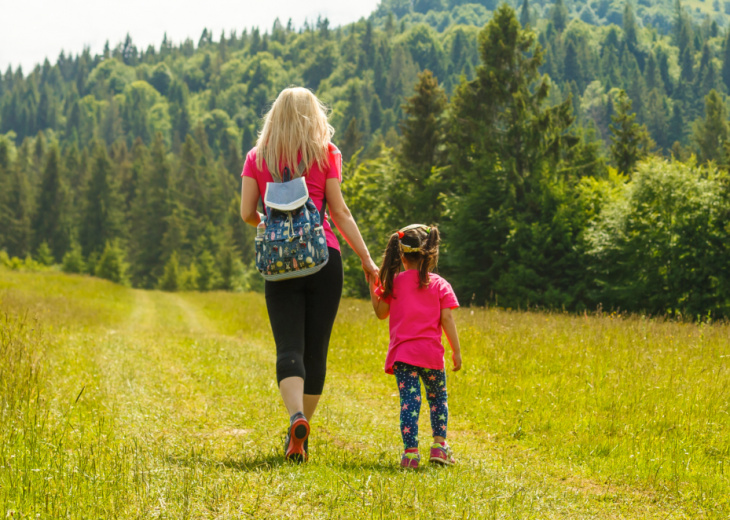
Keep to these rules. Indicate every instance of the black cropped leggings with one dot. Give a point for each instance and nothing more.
(302, 312)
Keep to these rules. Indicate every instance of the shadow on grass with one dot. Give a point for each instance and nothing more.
(272, 461)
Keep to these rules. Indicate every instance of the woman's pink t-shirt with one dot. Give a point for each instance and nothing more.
(415, 320)
(316, 179)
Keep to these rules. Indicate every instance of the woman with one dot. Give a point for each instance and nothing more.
(302, 310)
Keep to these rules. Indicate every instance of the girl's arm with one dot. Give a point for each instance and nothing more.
(382, 309)
(342, 218)
(449, 326)
(249, 200)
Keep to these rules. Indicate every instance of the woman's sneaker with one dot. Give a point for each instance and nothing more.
(294, 447)
(441, 454)
(410, 459)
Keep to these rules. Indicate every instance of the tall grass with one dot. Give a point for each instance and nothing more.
(129, 404)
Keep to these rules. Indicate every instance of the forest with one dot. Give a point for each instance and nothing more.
(574, 157)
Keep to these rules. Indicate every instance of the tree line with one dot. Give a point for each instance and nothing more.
(129, 168)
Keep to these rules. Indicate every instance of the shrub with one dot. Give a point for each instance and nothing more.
(111, 265)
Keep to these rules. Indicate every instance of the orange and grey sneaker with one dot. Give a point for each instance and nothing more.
(296, 439)
(441, 454)
(410, 458)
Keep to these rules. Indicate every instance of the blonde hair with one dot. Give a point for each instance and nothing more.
(296, 123)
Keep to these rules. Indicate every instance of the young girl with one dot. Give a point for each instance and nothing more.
(419, 304)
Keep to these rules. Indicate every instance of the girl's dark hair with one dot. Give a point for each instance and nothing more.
(426, 240)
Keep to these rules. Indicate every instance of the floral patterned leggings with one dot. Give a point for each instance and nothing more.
(409, 387)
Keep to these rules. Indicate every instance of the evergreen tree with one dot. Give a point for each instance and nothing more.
(421, 150)
(111, 265)
(422, 127)
(676, 124)
(572, 71)
(102, 217)
(43, 254)
(170, 280)
(149, 216)
(208, 274)
(352, 141)
(725, 72)
(525, 13)
(16, 204)
(630, 29)
(629, 140)
(73, 260)
(559, 15)
(711, 132)
(512, 138)
(51, 223)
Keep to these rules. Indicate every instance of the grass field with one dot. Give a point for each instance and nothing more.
(120, 403)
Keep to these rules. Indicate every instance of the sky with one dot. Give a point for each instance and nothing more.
(31, 30)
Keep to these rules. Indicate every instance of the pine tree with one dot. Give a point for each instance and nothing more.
(572, 69)
(676, 124)
(559, 16)
(51, 224)
(630, 29)
(73, 260)
(149, 216)
(102, 217)
(628, 139)
(422, 127)
(208, 274)
(512, 138)
(725, 72)
(171, 280)
(43, 254)
(352, 141)
(16, 203)
(711, 132)
(525, 13)
(111, 265)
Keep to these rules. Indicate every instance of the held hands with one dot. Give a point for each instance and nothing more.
(371, 270)
(456, 358)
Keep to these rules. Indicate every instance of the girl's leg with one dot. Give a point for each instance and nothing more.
(322, 299)
(409, 387)
(435, 383)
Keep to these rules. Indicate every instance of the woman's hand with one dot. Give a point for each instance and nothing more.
(371, 270)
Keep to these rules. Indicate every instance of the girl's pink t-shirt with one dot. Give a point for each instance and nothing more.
(316, 179)
(415, 320)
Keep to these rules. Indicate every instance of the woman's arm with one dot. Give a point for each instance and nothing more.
(449, 325)
(342, 218)
(249, 200)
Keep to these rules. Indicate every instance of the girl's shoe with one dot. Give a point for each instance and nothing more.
(410, 459)
(441, 454)
(295, 448)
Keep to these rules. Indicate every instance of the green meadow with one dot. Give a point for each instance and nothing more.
(123, 403)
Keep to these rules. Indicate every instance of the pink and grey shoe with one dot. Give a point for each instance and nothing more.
(441, 454)
(410, 459)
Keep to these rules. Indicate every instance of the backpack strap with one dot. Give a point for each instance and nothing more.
(286, 175)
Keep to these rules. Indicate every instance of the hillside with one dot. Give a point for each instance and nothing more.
(126, 164)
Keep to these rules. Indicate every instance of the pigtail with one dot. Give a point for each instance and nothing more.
(429, 256)
(391, 265)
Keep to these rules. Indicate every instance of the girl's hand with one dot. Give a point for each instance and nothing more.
(456, 358)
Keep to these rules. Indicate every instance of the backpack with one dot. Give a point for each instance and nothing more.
(291, 242)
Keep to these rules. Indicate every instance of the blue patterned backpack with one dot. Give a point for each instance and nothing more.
(291, 242)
